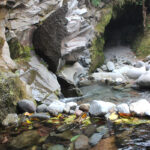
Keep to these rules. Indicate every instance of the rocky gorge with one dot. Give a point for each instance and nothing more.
(74, 74)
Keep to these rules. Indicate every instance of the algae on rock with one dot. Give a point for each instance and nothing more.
(97, 56)
(12, 89)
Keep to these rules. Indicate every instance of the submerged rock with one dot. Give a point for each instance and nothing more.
(101, 108)
(26, 106)
(11, 119)
(81, 143)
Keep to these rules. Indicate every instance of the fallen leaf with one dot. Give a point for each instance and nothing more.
(27, 114)
(74, 138)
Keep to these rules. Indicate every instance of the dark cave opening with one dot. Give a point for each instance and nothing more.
(125, 26)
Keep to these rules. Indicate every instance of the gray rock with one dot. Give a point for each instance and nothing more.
(55, 24)
(41, 116)
(82, 143)
(56, 147)
(147, 58)
(104, 67)
(26, 106)
(56, 107)
(102, 129)
(85, 107)
(147, 67)
(139, 64)
(101, 108)
(95, 138)
(89, 130)
(11, 119)
(123, 108)
(72, 112)
(110, 66)
(41, 108)
(140, 107)
(72, 105)
(67, 108)
(135, 73)
(144, 80)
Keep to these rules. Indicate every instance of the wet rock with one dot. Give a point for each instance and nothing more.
(57, 147)
(72, 105)
(110, 66)
(11, 119)
(26, 106)
(104, 67)
(41, 108)
(135, 73)
(78, 112)
(101, 108)
(26, 139)
(66, 109)
(85, 107)
(147, 58)
(56, 107)
(123, 108)
(81, 143)
(102, 129)
(144, 80)
(95, 138)
(139, 64)
(41, 116)
(140, 107)
(55, 24)
(147, 67)
(72, 112)
(89, 130)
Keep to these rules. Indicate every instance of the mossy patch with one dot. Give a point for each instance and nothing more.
(97, 56)
(12, 90)
(1, 42)
(17, 50)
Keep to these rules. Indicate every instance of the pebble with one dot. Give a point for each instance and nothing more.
(84, 107)
(11, 119)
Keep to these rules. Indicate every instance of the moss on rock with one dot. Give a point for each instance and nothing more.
(12, 90)
(1, 42)
(17, 50)
(97, 56)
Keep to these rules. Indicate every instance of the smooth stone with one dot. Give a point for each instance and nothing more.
(41, 108)
(82, 143)
(139, 64)
(110, 66)
(11, 119)
(144, 80)
(84, 107)
(66, 109)
(140, 107)
(56, 147)
(56, 107)
(102, 130)
(135, 73)
(72, 105)
(78, 112)
(41, 116)
(26, 106)
(26, 139)
(147, 67)
(89, 130)
(123, 108)
(95, 138)
(101, 108)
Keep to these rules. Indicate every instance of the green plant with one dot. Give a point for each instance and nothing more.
(96, 2)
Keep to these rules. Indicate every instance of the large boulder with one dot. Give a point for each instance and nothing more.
(144, 80)
(48, 37)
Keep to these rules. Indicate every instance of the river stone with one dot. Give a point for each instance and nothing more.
(140, 107)
(41, 108)
(123, 108)
(89, 130)
(135, 73)
(26, 106)
(110, 66)
(147, 67)
(41, 116)
(66, 109)
(11, 119)
(56, 147)
(144, 80)
(102, 130)
(78, 112)
(85, 107)
(101, 108)
(55, 24)
(95, 138)
(72, 105)
(139, 64)
(81, 143)
(26, 139)
(56, 107)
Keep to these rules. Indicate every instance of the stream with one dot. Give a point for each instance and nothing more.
(55, 135)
